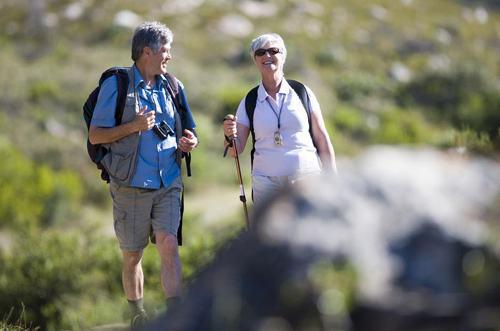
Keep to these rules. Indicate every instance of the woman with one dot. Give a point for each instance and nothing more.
(284, 149)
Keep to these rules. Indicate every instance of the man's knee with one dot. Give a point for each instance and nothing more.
(132, 258)
(166, 243)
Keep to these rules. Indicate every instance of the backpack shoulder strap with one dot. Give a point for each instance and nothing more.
(250, 103)
(121, 74)
(172, 81)
(174, 91)
(122, 79)
(301, 91)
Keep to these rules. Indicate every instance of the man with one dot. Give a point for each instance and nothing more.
(144, 162)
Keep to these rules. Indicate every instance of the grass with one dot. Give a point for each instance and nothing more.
(11, 323)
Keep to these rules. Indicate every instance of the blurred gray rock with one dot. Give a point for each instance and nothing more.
(257, 9)
(127, 19)
(418, 228)
(235, 25)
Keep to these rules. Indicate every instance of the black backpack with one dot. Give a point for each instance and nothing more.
(251, 101)
(97, 152)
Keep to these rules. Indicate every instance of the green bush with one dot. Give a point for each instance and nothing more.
(43, 272)
(465, 97)
(482, 113)
(56, 279)
(354, 87)
(389, 126)
(229, 98)
(351, 121)
(402, 127)
(43, 91)
(34, 195)
(48, 182)
(469, 140)
(24, 188)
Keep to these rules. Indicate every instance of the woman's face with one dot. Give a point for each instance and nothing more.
(269, 58)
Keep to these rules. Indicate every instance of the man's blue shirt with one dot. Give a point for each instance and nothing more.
(156, 159)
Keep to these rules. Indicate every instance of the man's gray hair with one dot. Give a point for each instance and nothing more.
(266, 38)
(150, 34)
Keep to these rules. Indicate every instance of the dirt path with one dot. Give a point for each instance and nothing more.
(216, 203)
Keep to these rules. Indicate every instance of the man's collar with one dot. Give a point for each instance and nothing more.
(161, 81)
(137, 77)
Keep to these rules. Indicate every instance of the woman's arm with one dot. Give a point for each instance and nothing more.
(237, 130)
(323, 142)
(320, 135)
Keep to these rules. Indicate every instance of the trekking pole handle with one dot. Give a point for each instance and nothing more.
(228, 139)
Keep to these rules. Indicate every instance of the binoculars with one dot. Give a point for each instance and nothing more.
(163, 130)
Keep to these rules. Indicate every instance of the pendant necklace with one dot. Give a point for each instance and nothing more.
(278, 138)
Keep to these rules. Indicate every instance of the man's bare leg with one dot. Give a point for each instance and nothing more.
(133, 285)
(170, 264)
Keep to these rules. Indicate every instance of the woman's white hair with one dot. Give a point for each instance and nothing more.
(267, 38)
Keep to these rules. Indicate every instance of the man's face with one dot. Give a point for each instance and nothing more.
(158, 60)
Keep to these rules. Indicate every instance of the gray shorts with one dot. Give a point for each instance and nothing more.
(137, 210)
(264, 187)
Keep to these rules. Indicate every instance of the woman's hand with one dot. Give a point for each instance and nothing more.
(229, 126)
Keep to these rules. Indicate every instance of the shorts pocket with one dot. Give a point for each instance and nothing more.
(120, 225)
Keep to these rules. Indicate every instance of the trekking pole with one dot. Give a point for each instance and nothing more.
(232, 143)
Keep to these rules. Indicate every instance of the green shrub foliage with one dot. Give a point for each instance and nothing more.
(34, 195)
(44, 272)
(71, 279)
(465, 97)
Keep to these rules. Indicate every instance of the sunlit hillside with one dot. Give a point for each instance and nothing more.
(397, 72)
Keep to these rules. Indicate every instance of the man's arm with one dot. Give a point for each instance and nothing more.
(142, 121)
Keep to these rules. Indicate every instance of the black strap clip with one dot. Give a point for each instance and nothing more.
(229, 144)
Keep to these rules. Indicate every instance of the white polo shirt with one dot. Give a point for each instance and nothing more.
(296, 154)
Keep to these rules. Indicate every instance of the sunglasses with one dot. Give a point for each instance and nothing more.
(270, 51)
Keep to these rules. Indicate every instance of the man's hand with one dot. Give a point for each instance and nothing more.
(188, 141)
(144, 120)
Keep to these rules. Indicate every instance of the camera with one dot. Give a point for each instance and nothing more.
(163, 130)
